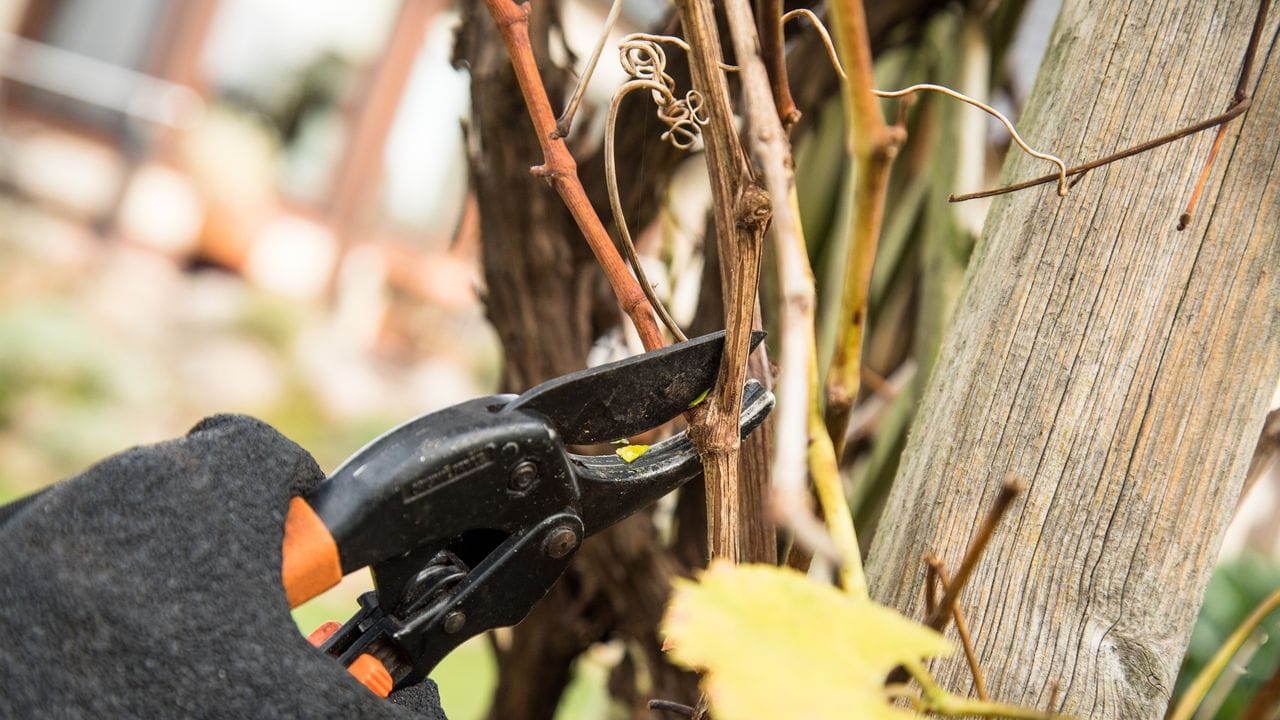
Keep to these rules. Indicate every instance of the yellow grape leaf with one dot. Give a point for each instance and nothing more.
(631, 452)
(774, 644)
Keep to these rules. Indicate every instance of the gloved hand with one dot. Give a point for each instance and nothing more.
(149, 586)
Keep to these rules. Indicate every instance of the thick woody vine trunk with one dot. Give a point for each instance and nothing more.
(546, 298)
(1121, 367)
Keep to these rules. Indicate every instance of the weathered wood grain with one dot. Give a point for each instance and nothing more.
(1121, 367)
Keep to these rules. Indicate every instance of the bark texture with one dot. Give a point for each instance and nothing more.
(540, 277)
(1121, 367)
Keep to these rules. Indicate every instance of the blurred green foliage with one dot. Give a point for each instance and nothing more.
(59, 377)
(270, 320)
(1236, 588)
(50, 346)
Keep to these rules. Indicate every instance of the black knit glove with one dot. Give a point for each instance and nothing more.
(149, 586)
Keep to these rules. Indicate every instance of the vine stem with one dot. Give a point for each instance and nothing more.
(873, 144)
(798, 446)
(560, 170)
(740, 208)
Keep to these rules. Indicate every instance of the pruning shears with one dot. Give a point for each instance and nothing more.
(467, 516)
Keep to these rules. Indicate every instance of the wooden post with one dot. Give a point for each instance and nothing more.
(1122, 367)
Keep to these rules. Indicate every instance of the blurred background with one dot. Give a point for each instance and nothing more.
(233, 206)
(261, 206)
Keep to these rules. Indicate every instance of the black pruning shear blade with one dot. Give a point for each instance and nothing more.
(467, 516)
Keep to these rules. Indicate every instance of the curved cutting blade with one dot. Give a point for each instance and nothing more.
(612, 401)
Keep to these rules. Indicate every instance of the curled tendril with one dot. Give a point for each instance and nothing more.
(644, 59)
(684, 119)
(1008, 124)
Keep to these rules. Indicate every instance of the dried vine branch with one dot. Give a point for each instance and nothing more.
(561, 170)
(938, 574)
(939, 613)
(1242, 91)
(741, 212)
(795, 446)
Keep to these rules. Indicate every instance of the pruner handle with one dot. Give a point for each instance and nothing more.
(310, 567)
(311, 563)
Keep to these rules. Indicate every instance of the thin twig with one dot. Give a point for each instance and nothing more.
(1199, 687)
(565, 121)
(1185, 219)
(561, 170)
(1242, 91)
(1237, 108)
(1251, 50)
(979, 682)
(1012, 487)
(1008, 125)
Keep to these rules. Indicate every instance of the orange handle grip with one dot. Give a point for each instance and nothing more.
(311, 566)
(368, 669)
(371, 673)
(311, 563)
